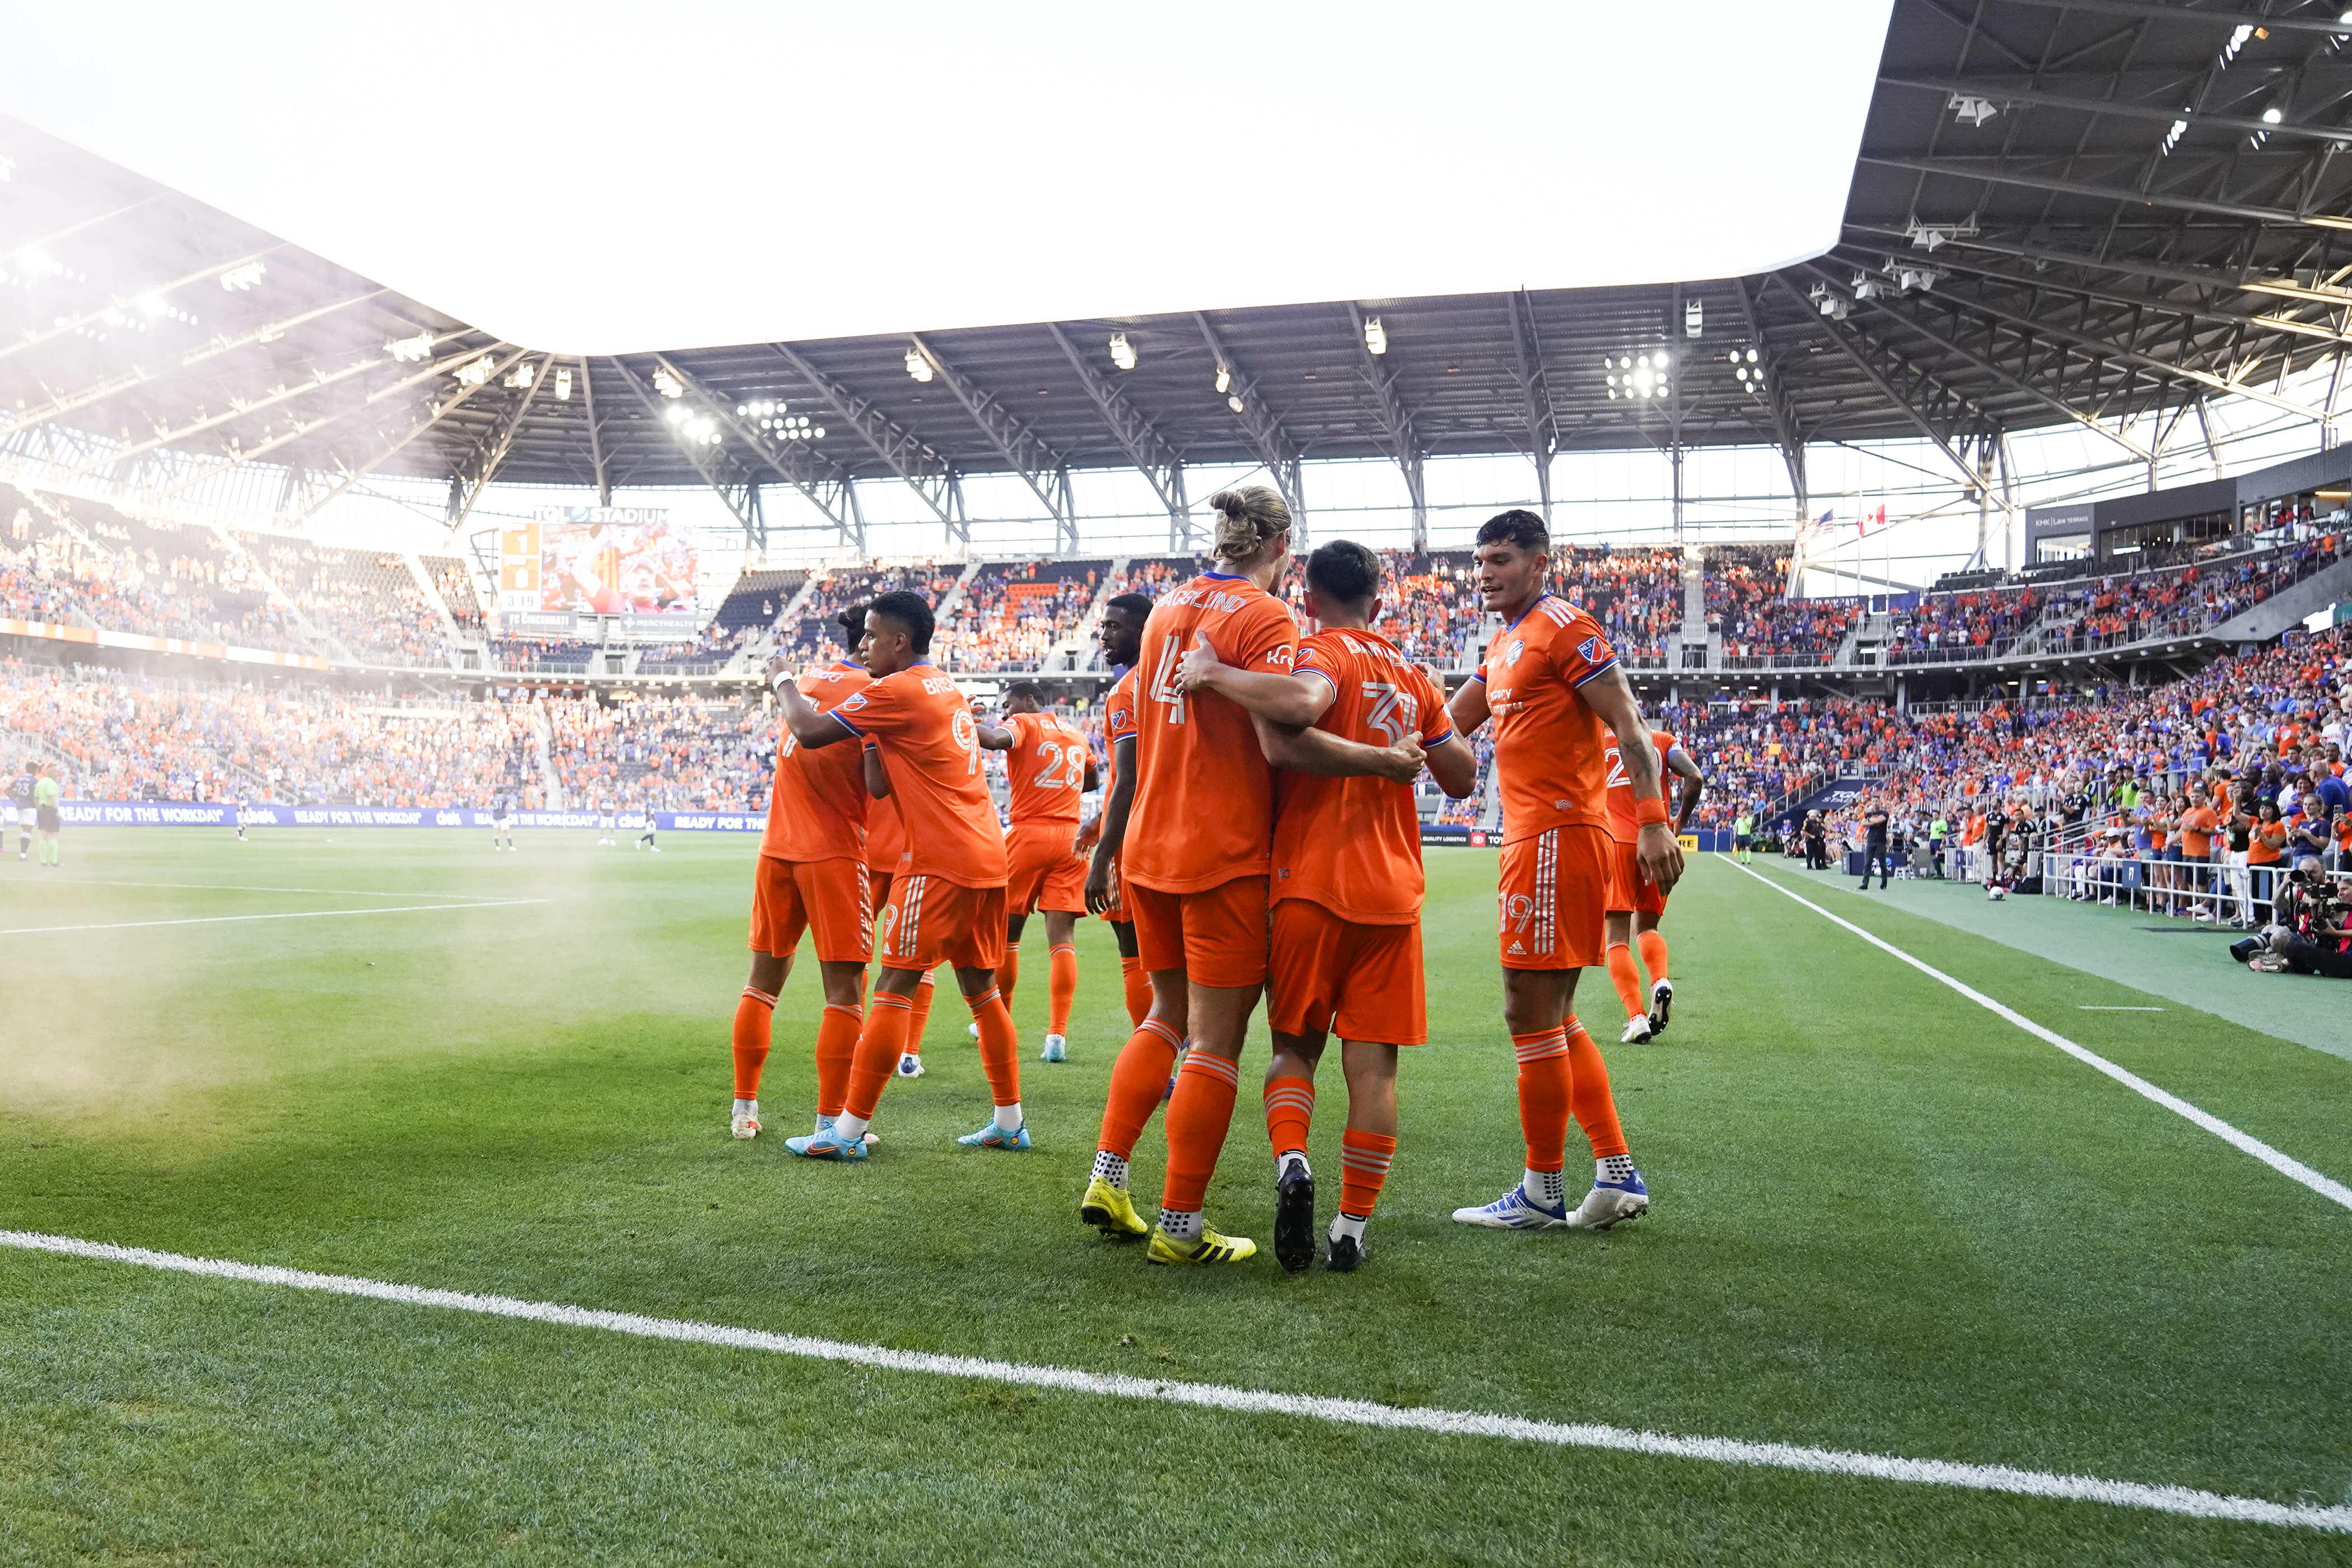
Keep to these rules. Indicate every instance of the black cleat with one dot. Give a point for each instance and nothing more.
(1294, 1219)
(1343, 1255)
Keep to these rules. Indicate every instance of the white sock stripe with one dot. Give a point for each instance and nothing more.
(2285, 1164)
(756, 994)
(2183, 1501)
(992, 994)
(1166, 1033)
(1062, 947)
(852, 1012)
(1215, 1067)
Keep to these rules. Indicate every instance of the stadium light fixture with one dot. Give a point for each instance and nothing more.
(1694, 318)
(564, 384)
(523, 376)
(1235, 402)
(2274, 115)
(1968, 110)
(1376, 337)
(1224, 379)
(410, 351)
(1122, 353)
(473, 373)
(242, 280)
(667, 384)
(917, 365)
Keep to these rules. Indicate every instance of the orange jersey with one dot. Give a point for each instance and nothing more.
(886, 836)
(1203, 809)
(1046, 767)
(931, 748)
(1551, 749)
(1119, 724)
(1622, 826)
(1354, 844)
(817, 808)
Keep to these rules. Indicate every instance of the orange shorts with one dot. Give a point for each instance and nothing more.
(827, 897)
(880, 882)
(1366, 977)
(1629, 890)
(1216, 936)
(1554, 888)
(1044, 871)
(931, 921)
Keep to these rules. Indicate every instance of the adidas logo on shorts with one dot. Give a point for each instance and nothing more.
(1520, 949)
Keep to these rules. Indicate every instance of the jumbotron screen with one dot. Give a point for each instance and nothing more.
(595, 560)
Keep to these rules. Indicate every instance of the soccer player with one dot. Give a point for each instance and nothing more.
(645, 837)
(811, 877)
(1743, 836)
(1345, 939)
(501, 823)
(1049, 766)
(20, 793)
(1635, 906)
(47, 797)
(947, 904)
(1194, 847)
(886, 849)
(1121, 636)
(608, 821)
(237, 815)
(1552, 684)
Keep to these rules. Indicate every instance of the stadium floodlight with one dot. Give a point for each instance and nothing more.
(1235, 402)
(473, 373)
(667, 384)
(1751, 356)
(152, 304)
(2273, 115)
(1694, 317)
(1967, 111)
(1865, 287)
(564, 384)
(1376, 337)
(523, 376)
(1224, 379)
(410, 351)
(240, 279)
(677, 414)
(1122, 353)
(917, 365)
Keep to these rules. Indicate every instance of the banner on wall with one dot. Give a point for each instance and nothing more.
(220, 814)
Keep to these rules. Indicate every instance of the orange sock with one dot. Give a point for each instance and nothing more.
(1008, 971)
(1137, 1080)
(1290, 1110)
(1588, 1097)
(1543, 1096)
(1137, 986)
(1061, 986)
(836, 1047)
(754, 1012)
(1000, 1046)
(1627, 979)
(1363, 1166)
(1654, 955)
(922, 1016)
(1198, 1118)
(879, 1042)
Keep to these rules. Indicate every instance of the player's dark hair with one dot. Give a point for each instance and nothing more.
(1345, 573)
(1029, 689)
(852, 622)
(910, 610)
(1136, 605)
(1517, 526)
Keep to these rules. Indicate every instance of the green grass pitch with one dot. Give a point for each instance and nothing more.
(1887, 1221)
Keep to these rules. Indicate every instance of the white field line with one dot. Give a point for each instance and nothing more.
(242, 888)
(2285, 1164)
(295, 915)
(2087, 1008)
(2186, 1501)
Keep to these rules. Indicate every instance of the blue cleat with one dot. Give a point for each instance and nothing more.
(1612, 1202)
(995, 1137)
(1514, 1211)
(826, 1143)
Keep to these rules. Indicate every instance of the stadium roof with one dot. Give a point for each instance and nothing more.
(2080, 211)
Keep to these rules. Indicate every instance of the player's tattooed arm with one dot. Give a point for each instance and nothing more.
(877, 777)
(1310, 750)
(1114, 827)
(1285, 699)
(1659, 857)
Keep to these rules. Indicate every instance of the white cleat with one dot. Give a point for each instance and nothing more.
(1662, 1005)
(911, 1065)
(1055, 1048)
(1610, 1202)
(972, 1028)
(1513, 1211)
(1637, 1029)
(744, 1123)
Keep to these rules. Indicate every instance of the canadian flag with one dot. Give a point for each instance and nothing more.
(1871, 519)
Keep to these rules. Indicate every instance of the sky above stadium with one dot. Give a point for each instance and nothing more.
(599, 178)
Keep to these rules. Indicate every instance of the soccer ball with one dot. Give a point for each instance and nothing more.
(1996, 892)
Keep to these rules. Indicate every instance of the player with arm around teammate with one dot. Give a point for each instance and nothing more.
(1636, 904)
(1345, 939)
(1121, 637)
(948, 904)
(1551, 685)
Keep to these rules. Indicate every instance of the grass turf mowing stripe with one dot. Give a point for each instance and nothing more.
(2184, 1501)
(293, 915)
(2286, 1165)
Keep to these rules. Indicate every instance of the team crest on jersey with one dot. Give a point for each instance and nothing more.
(1586, 648)
(1511, 654)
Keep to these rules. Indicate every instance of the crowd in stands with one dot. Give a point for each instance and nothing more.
(455, 586)
(678, 755)
(363, 600)
(1635, 593)
(1012, 614)
(837, 588)
(1746, 590)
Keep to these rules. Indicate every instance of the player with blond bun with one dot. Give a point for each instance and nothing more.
(1551, 684)
(1195, 843)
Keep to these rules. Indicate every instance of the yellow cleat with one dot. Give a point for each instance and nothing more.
(1110, 1210)
(1211, 1248)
